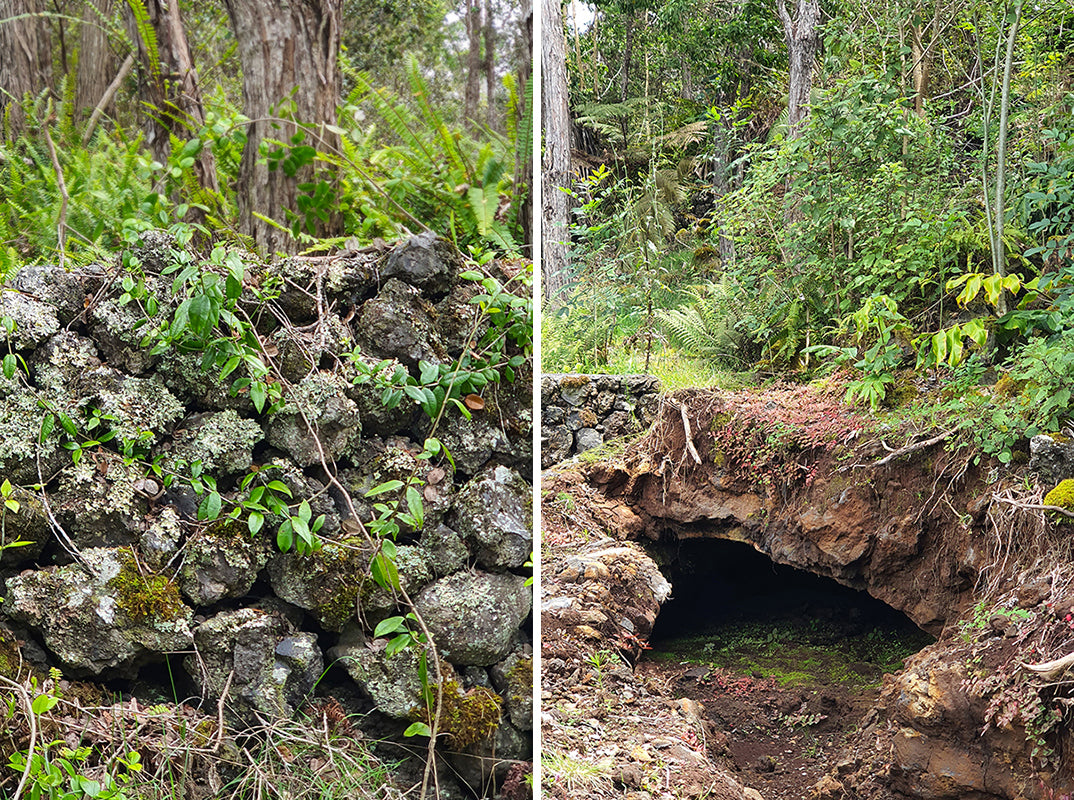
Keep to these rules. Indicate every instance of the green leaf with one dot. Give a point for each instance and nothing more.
(285, 537)
(255, 521)
(418, 729)
(43, 703)
(415, 506)
(279, 486)
(387, 486)
(389, 625)
(9, 366)
(48, 422)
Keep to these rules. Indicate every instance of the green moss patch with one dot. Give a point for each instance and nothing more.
(144, 595)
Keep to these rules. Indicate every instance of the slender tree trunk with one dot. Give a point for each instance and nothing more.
(556, 161)
(289, 51)
(171, 93)
(628, 55)
(473, 62)
(97, 64)
(524, 167)
(25, 59)
(802, 43)
(488, 63)
(999, 254)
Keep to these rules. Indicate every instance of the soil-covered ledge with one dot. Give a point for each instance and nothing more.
(913, 517)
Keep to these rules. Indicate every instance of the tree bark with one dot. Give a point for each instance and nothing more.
(802, 43)
(488, 63)
(25, 59)
(524, 169)
(556, 161)
(289, 52)
(473, 62)
(97, 64)
(171, 92)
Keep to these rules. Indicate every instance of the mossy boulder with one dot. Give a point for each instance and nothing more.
(446, 550)
(474, 616)
(20, 447)
(513, 679)
(62, 290)
(106, 616)
(29, 524)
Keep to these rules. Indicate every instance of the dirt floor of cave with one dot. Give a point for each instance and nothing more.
(778, 739)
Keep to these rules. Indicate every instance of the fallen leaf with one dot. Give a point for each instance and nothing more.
(474, 402)
(436, 474)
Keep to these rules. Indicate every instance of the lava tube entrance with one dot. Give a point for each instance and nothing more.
(734, 608)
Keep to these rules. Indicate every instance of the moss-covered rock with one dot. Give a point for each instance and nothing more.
(513, 679)
(95, 618)
(1063, 497)
(20, 447)
(29, 524)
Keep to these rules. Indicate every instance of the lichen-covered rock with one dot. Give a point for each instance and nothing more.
(60, 364)
(54, 285)
(446, 551)
(377, 461)
(587, 439)
(474, 616)
(161, 539)
(347, 279)
(183, 374)
(118, 329)
(392, 682)
(299, 351)
(334, 585)
(222, 441)
(98, 505)
(399, 323)
(513, 679)
(34, 321)
(264, 665)
(322, 399)
(378, 419)
(429, 263)
(221, 562)
(95, 621)
(138, 409)
(20, 448)
(472, 442)
(494, 512)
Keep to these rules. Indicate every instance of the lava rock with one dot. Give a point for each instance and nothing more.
(494, 513)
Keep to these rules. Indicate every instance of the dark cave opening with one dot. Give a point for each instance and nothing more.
(721, 588)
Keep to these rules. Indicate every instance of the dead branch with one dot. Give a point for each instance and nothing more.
(61, 218)
(1050, 670)
(106, 98)
(913, 448)
(686, 429)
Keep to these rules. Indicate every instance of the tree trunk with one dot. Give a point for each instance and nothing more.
(97, 64)
(473, 62)
(171, 92)
(802, 43)
(289, 52)
(524, 169)
(628, 55)
(488, 64)
(25, 59)
(998, 250)
(556, 161)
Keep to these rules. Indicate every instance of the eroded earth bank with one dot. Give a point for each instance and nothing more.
(770, 595)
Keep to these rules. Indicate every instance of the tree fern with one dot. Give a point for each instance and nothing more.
(146, 34)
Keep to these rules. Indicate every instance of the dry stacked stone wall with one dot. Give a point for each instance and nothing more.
(121, 568)
(580, 412)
